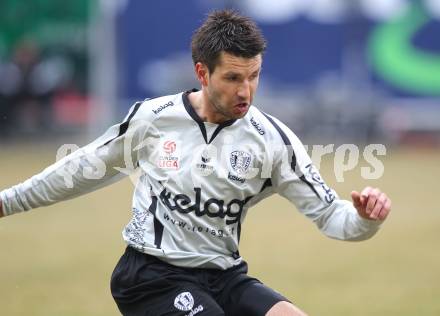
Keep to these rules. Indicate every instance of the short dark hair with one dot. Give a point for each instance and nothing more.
(227, 31)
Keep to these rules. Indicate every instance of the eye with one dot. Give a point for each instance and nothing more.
(254, 76)
(232, 78)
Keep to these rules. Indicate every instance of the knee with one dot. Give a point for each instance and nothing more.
(285, 309)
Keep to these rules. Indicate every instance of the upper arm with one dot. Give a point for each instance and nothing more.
(296, 178)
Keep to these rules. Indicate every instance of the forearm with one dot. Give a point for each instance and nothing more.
(70, 177)
(89, 168)
(341, 221)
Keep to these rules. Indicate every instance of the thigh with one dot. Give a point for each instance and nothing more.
(245, 295)
(256, 300)
(143, 285)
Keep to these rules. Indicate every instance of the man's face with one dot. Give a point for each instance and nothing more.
(231, 86)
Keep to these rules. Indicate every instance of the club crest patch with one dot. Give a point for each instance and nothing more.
(184, 301)
(240, 161)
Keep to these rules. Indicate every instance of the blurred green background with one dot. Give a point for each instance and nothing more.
(58, 260)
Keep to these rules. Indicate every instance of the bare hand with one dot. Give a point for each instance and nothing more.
(371, 203)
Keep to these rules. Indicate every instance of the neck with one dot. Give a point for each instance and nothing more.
(200, 102)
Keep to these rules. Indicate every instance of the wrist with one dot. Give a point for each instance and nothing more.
(368, 222)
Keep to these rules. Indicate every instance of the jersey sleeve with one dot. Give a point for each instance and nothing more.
(87, 169)
(296, 178)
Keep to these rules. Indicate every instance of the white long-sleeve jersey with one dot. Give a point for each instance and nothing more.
(197, 181)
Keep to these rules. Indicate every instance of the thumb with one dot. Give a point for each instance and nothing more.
(356, 197)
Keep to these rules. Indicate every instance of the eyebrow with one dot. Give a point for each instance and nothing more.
(233, 73)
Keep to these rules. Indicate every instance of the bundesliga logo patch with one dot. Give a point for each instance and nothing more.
(169, 159)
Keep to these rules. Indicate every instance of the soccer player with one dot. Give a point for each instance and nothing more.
(205, 157)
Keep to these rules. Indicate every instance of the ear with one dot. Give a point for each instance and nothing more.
(202, 73)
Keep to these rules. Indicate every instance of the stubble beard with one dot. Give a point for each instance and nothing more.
(218, 108)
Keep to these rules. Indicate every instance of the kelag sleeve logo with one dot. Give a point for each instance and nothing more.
(316, 177)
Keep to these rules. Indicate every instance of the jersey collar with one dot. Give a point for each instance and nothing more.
(190, 109)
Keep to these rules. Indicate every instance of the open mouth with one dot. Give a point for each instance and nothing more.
(242, 107)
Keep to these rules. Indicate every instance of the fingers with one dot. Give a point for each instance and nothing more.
(385, 210)
(365, 193)
(371, 202)
(378, 205)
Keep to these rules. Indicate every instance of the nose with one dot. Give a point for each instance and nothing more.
(244, 91)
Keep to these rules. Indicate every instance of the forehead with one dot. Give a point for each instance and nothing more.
(230, 63)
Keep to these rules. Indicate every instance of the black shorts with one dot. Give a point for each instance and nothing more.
(144, 285)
